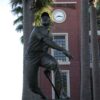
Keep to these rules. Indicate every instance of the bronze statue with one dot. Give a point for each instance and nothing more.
(37, 56)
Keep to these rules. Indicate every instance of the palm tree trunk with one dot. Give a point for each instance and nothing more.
(28, 17)
(27, 20)
(95, 54)
(85, 63)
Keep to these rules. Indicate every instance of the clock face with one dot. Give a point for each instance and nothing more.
(59, 16)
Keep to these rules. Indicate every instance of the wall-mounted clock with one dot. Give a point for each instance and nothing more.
(59, 15)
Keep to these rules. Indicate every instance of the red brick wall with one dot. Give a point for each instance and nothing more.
(72, 27)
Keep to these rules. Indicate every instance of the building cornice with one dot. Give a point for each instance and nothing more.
(72, 2)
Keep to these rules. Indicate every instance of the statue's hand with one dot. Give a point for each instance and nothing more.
(67, 54)
(47, 72)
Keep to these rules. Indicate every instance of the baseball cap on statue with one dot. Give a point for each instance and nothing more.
(45, 14)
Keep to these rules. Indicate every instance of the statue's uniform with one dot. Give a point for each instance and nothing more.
(37, 55)
(37, 49)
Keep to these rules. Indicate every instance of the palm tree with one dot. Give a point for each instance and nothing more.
(17, 9)
(85, 63)
(95, 53)
(26, 10)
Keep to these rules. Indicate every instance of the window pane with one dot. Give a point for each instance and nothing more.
(64, 80)
(64, 83)
(60, 40)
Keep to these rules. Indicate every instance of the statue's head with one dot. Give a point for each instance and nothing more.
(45, 19)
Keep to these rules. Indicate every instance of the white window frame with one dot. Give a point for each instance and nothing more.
(52, 50)
(65, 2)
(68, 83)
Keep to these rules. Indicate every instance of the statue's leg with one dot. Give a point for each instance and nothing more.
(49, 63)
(33, 80)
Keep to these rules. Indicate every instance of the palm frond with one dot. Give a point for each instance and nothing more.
(41, 3)
(18, 20)
(17, 10)
(14, 3)
(22, 39)
(19, 28)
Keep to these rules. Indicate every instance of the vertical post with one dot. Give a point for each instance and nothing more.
(85, 58)
(95, 53)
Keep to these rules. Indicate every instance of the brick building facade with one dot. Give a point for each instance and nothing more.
(66, 32)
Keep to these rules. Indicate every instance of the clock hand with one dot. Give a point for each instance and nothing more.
(59, 16)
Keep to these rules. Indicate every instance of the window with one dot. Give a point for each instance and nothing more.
(65, 75)
(62, 40)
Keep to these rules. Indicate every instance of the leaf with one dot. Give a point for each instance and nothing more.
(18, 20)
(18, 10)
(14, 3)
(39, 4)
(19, 28)
(22, 39)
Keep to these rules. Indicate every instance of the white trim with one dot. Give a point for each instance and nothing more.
(72, 2)
(68, 83)
(66, 40)
(53, 81)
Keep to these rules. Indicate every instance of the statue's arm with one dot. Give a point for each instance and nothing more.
(54, 45)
